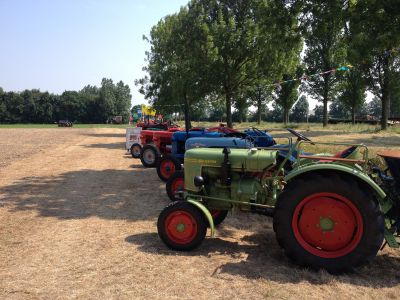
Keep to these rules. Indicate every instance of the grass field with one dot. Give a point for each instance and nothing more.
(357, 128)
(78, 221)
(55, 126)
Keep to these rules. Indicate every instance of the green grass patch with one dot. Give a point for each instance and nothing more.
(345, 128)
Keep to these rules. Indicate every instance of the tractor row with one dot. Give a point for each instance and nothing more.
(329, 210)
(164, 149)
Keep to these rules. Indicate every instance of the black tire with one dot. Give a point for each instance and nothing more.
(167, 166)
(174, 183)
(135, 150)
(150, 156)
(328, 195)
(182, 226)
(218, 215)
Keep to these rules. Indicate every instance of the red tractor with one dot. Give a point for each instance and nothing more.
(160, 145)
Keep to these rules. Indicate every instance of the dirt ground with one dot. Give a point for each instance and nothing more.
(78, 220)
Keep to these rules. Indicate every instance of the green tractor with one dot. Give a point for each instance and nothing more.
(330, 211)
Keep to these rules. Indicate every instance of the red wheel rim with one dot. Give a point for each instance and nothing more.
(327, 225)
(167, 168)
(181, 227)
(136, 150)
(177, 185)
(149, 156)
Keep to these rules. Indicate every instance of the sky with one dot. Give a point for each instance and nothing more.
(58, 45)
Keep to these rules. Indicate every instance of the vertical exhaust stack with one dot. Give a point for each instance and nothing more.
(226, 178)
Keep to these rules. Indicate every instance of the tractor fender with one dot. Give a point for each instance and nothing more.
(206, 213)
(337, 168)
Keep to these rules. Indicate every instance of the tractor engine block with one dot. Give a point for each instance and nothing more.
(230, 176)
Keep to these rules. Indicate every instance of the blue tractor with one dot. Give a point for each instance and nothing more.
(173, 162)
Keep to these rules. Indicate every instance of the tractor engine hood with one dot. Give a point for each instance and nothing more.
(247, 160)
(182, 136)
(218, 143)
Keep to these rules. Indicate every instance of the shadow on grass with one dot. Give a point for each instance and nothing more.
(135, 194)
(265, 260)
(116, 135)
(107, 146)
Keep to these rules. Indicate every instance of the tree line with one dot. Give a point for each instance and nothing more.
(92, 104)
(229, 55)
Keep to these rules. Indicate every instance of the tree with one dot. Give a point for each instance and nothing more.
(374, 25)
(71, 106)
(246, 42)
(259, 95)
(107, 99)
(276, 114)
(323, 23)
(13, 106)
(318, 114)
(353, 94)
(395, 94)
(300, 110)
(122, 100)
(217, 111)
(375, 107)
(287, 94)
(176, 63)
(338, 110)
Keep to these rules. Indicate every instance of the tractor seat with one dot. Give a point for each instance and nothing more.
(392, 159)
(346, 152)
(342, 154)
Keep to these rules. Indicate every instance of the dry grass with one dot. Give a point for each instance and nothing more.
(78, 221)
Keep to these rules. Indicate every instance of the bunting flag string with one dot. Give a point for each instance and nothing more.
(345, 68)
(305, 77)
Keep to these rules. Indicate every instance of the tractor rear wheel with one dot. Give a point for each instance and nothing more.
(328, 222)
(175, 184)
(149, 156)
(181, 226)
(168, 165)
(135, 150)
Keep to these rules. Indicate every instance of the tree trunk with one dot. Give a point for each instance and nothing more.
(188, 124)
(353, 114)
(325, 100)
(259, 110)
(285, 116)
(228, 101)
(385, 94)
(325, 117)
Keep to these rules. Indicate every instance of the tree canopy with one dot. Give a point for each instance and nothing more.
(89, 105)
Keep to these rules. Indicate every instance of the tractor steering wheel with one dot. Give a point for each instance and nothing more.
(298, 135)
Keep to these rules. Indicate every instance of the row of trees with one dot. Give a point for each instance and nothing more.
(230, 51)
(90, 105)
(300, 112)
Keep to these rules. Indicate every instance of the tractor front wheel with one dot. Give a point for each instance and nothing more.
(181, 226)
(149, 156)
(135, 150)
(174, 185)
(328, 222)
(168, 165)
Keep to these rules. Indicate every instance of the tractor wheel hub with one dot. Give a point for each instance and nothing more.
(180, 227)
(326, 224)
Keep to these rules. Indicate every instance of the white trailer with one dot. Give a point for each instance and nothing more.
(133, 144)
